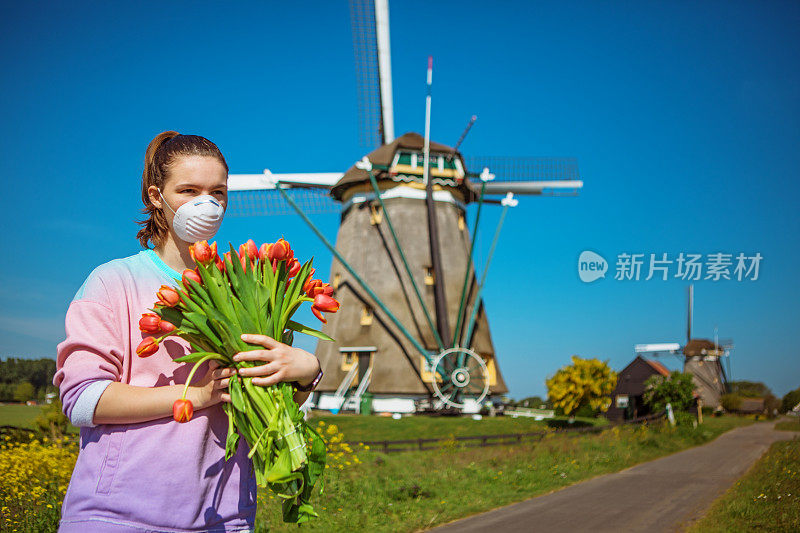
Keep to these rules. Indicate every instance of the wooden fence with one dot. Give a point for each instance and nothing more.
(480, 441)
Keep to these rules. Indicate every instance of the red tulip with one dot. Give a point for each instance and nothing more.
(310, 287)
(294, 268)
(250, 248)
(182, 410)
(147, 347)
(202, 253)
(279, 251)
(166, 327)
(168, 296)
(262, 251)
(190, 274)
(325, 303)
(219, 263)
(327, 290)
(318, 314)
(149, 323)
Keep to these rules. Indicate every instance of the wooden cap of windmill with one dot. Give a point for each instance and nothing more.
(403, 156)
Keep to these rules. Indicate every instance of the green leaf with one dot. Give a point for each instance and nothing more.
(245, 318)
(300, 328)
(202, 324)
(237, 397)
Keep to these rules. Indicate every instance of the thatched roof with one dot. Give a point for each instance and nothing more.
(696, 347)
(384, 156)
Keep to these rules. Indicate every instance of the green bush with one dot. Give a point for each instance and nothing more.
(676, 390)
(731, 401)
(24, 391)
(52, 421)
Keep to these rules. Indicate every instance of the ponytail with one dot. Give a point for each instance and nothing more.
(160, 155)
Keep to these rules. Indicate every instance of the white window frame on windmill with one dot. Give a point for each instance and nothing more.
(426, 371)
(350, 358)
(430, 276)
(375, 214)
(414, 170)
(366, 315)
(491, 369)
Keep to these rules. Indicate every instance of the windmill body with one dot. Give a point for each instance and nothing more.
(398, 375)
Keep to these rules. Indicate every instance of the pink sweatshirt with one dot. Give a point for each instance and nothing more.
(151, 476)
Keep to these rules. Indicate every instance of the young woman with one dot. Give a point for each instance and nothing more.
(139, 470)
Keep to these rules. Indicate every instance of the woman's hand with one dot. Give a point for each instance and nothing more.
(209, 390)
(283, 362)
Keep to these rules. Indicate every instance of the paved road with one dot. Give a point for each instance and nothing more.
(661, 495)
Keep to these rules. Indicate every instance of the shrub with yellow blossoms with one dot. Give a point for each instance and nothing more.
(584, 382)
(34, 477)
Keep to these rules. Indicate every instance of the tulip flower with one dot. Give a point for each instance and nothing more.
(190, 274)
(250, 249)
(310, 286)
(182, 410)
(166, 327)
(168, 296)
(147, 347)
(325, 303)
(262, 251)
(202, 253)
(318, 315)
(219, 263)
(149, 323)
(279, 251)
(294, 268)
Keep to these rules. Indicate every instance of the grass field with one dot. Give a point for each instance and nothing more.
(767, 498)
(360, 428)
(22, 416)
(788, 425)
(19, 415)
(356, 427)
(417, 490)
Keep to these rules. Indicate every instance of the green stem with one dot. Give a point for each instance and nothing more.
(191, 374)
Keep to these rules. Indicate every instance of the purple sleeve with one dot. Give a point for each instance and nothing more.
(91, 352)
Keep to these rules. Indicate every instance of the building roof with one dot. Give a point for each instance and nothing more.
(700, 347)
(751, 405)
(658, 367)
(383, 156)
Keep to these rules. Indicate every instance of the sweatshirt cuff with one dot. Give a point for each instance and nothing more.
(83, 410)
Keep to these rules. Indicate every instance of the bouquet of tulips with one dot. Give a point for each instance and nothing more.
(256, 290)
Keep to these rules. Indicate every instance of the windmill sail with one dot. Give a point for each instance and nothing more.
(370, 24)
(548, 176)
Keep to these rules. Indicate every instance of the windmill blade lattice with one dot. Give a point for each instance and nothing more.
(526, 169)
(270, 202)
(365, 48)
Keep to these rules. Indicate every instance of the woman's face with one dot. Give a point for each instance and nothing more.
(189, 177)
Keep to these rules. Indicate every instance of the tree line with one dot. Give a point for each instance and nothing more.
(26, 379)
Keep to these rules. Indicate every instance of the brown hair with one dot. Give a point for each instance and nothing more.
(160, 155)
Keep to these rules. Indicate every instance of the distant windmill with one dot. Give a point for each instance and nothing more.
(701, 357)
(403, 247)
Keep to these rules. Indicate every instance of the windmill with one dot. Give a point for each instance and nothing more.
(412, 329)
(702, 358)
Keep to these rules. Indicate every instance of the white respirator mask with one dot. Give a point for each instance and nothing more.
(198, 219)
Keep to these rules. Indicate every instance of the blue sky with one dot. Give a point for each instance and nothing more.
(683, 117)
